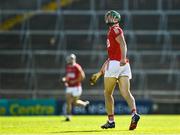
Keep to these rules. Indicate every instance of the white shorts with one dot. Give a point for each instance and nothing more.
(114, 69)
(75, 91)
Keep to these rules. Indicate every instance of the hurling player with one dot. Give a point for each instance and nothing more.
(74, 76)
(116, 69)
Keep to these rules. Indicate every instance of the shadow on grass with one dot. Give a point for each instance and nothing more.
(86, 131)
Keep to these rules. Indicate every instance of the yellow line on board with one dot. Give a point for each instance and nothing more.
(11, 22)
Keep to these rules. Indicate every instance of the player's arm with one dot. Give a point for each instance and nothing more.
(81, 76)
(97, 75)
(64, 80)
(102, 70)
(120, 39)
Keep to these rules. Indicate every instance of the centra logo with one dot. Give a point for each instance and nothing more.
(17, 109)
(2, 110)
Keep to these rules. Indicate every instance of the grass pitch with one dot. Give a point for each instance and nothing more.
(89, 125)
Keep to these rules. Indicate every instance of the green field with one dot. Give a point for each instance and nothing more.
(89, 125)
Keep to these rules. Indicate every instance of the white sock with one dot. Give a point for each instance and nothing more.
(110, 121)
(68, 116)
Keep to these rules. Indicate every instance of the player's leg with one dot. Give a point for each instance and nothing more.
(109, 85)
(76, 97)
(110, 79)
(69, 100)
(78, 102)
(124, 86)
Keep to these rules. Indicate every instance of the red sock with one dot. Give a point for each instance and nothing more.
(133, 111)
(111, 118)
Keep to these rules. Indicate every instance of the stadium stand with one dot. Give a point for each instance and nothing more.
(36, 36)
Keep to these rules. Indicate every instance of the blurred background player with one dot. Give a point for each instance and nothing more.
(116, 69)
(74, 76)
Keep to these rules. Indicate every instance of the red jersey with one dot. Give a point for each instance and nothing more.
(113, 47)
(72, 73)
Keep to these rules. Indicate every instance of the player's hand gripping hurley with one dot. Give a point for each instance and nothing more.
(97, 75)
(94, 78)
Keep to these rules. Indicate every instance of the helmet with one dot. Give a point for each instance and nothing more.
(112, 17)
(70, 58)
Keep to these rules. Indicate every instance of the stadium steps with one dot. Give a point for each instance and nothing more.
(47, 63)
(56, 60)
(86, 41)
(13, 81)
(47, 70)
(12, 61)
(18, 19)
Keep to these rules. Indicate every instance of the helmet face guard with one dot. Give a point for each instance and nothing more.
(71, 58)
(112, 17)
